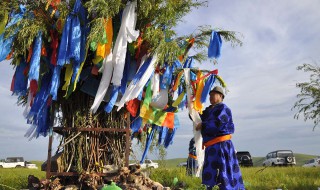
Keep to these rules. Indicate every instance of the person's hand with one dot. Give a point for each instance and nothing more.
(199, 126)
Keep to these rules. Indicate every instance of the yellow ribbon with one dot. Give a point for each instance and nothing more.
(67, 76)
(104, 49)
(197, 105)
(179, 99)
(223, 84)
(177, 82)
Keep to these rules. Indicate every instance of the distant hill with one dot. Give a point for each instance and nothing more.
(257, 161)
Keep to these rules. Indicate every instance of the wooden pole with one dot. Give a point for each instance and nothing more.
(48, 175)
(128, 141)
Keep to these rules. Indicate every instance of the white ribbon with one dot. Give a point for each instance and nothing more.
(104, 83)
(28, 107)
(155, 85)
(127, 33)
(196, 120)
(134, 90)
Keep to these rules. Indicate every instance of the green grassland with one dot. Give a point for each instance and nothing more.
(255, 178)
(17, 178)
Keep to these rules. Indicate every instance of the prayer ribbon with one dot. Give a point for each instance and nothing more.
(114, 96)
(70, 44)
(214, 49)
(196, 120)
(35, 59)
(20, 81)
(166, 78)
(207, 87)
(103, 49)
(197, 104)
(149, 138)
(135, 87)
(6, 44)
(55, 82)
(104, 83)
(126, 34)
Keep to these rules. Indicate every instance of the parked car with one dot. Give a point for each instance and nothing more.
(280, 158)
(12, 162)
(315, 162)
(182, 164)
(31, 166)
(147, 164)
(244, 158)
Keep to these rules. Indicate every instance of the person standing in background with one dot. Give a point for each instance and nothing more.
(192, 159)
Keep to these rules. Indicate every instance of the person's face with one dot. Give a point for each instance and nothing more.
(215, 98)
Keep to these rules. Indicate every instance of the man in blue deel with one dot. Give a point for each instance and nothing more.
(221, 166)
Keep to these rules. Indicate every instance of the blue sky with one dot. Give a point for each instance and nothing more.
(261, 77)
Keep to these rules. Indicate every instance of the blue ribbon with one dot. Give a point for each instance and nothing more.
(113, 99)
(188, 63)
(75, 33)
(141, 71)
(183, 101)
(20, 80)
(6, 44)
(35, 59)
(214, 49)
(162, 134)
(38, 114)
(169, 138)
(206, 89)
(55, 82)
(136, 123)
(148, 143)
(84, 33)
(63, 53)
(166, 78)
(126, 72)
(70, 44)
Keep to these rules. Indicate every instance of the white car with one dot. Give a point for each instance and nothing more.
(182, 164)
(280, 158)
(148, 164)
(31, 166)
(315, 162)
(12, 162)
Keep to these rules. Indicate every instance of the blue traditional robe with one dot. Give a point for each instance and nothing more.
(220, 163)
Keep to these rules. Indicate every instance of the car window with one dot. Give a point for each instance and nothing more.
(147, 162)
(284, 153)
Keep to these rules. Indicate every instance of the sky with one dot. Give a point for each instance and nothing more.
(261, 76)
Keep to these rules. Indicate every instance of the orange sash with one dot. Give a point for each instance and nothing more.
(192, 156)
(216, 140)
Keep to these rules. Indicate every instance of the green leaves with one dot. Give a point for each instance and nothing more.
(308, 103)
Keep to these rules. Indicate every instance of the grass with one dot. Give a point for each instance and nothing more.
(285, 178)
(17, 178)
(255, 178)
